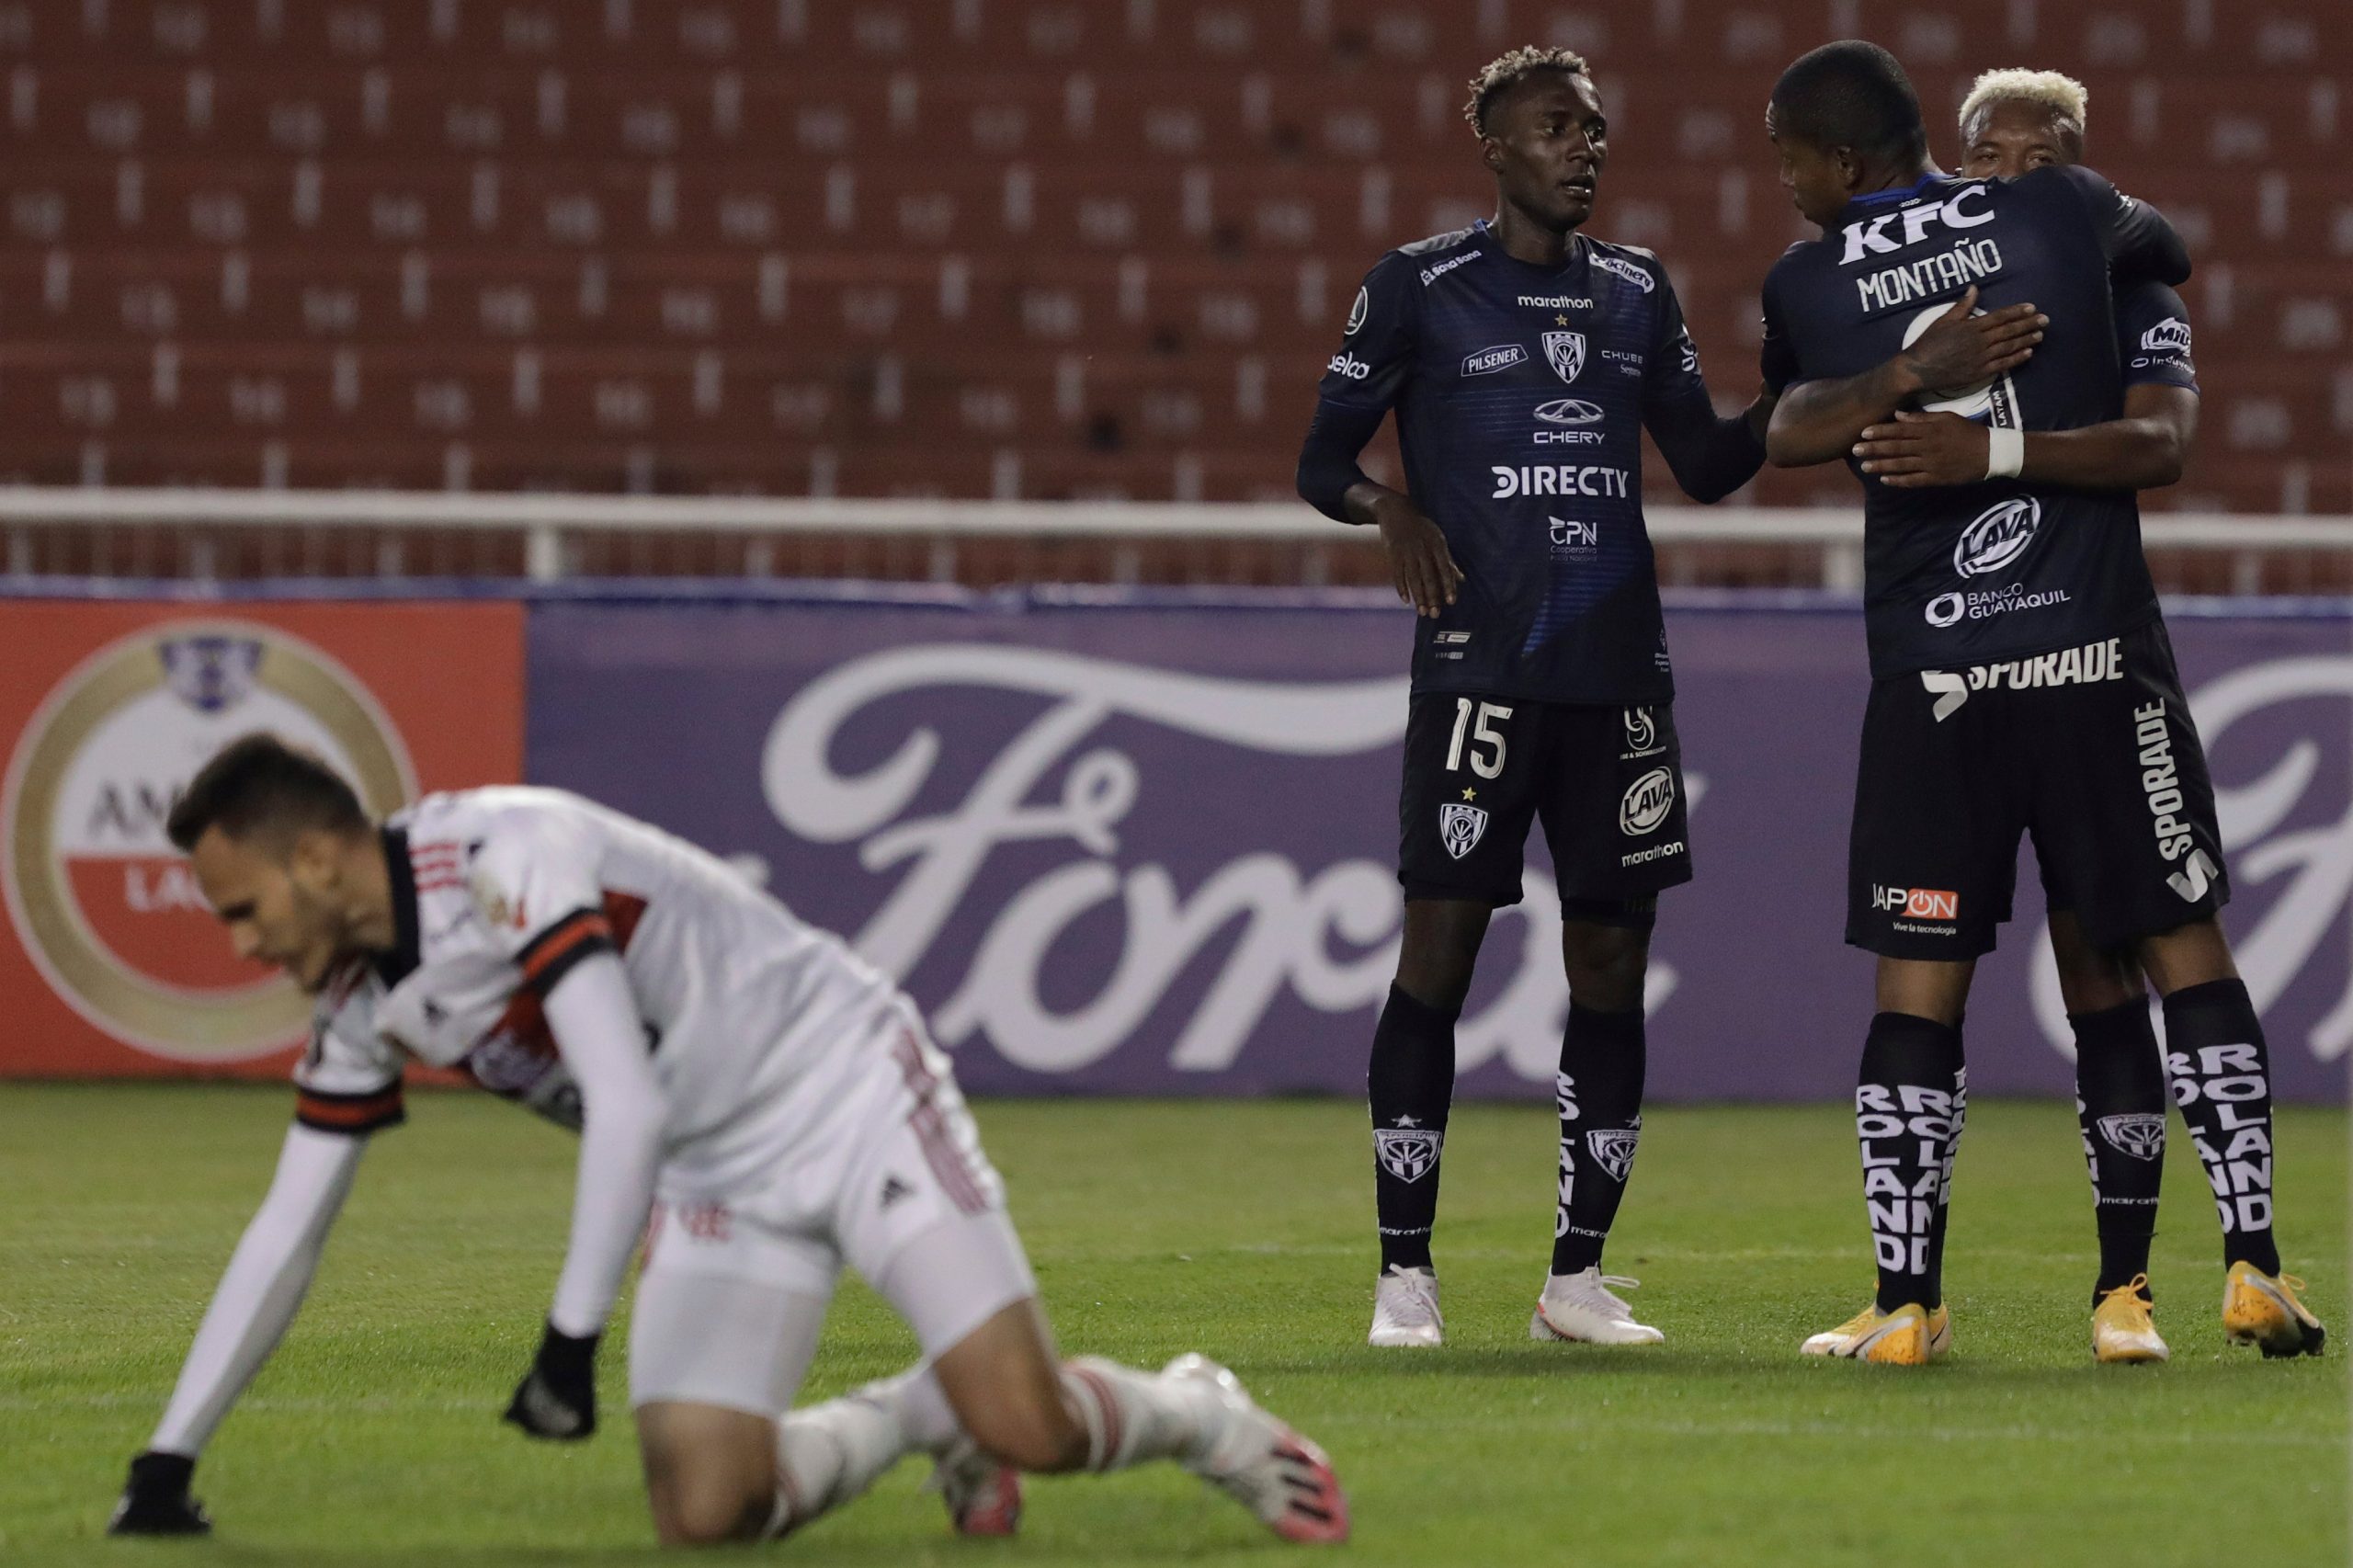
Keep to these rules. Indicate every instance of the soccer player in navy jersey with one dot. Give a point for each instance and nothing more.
(1524, 359)
(2022, 681)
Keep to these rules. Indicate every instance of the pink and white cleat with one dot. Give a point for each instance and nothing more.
(1269, 1469)
(983, 1497)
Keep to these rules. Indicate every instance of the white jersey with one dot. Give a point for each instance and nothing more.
(758, 1022)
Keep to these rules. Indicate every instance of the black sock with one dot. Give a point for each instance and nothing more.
(2121, 1111)
(1599, 1092)
(2222, 1079)
(1909, 1102)
(1411, 1086)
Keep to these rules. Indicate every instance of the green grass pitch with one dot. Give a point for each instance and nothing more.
(1242, 1229)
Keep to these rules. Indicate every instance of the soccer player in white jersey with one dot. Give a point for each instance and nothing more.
(769, 1098)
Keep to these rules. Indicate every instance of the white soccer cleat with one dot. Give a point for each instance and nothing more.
(1259, 1462)
(1584, 1307)
(983, 1498)
(1405, 1309)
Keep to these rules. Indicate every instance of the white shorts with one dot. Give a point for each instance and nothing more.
(894, 1183)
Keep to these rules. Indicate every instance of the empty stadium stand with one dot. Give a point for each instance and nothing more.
(987, 249)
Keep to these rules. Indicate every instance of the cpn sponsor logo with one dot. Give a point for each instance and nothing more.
(106, 905)
(1998, 536)
(1487, 362)
(1916, 904)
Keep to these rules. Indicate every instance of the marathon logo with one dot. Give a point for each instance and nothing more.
(1655, 852)
(1560, 479)
(1555, 302)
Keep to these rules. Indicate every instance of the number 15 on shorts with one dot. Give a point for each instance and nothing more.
(1472, 732)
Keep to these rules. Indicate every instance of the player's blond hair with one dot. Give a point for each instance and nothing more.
(1507, 70)
(2061, 95)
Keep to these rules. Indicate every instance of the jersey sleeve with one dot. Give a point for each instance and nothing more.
(2138, 242)
(534, 884)
(348, 1080)
(1776, 358)
(1377, 345)
(1711, 456)
(2152, 337)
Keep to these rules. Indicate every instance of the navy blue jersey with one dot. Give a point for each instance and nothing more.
(1978, 573)
(2152, 337)
(1521, 392)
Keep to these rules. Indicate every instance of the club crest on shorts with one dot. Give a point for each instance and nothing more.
(1407, 1153)
(1566, 351)
(2141, 1134)
(1460, 827)
(1613, 1150)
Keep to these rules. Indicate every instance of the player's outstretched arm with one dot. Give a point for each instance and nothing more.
(258, 1295)
(1816, 422)
(1330, 481)
(598, 1030)
(2143, 450)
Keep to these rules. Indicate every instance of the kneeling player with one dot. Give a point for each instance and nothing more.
(770, 1096)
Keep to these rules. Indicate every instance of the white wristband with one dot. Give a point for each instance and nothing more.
(2005, 453)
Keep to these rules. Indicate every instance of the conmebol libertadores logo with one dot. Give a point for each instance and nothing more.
(107, 908)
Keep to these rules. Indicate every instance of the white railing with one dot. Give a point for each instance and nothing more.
(545, 522)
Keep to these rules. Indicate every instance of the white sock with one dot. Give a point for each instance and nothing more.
(919, 1405)
(828, 1454)
(1132, 1417)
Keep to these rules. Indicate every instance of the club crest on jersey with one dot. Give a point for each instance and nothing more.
(1613, 1150)
(1647, 802)
(2141, 1134)
(1460, 827)
(1998, 536)
(1407, 1153)
(1566, 352)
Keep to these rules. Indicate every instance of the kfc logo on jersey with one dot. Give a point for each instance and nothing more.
(1487, 362)
(1633, 272)
(1348, 365)
(1357, 311)
(1647, 802)
(1460, 827)
(1566, 352)
(1964, 208)
(1916, 904)
(2170, 335)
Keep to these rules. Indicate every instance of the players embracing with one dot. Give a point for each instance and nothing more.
(2023, 681)
(1523, 359)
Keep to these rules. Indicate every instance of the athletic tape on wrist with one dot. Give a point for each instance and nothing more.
(2005, 453)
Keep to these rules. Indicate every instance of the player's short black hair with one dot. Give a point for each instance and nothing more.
(1852, 94)
(258, 783)
(1505, 71)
